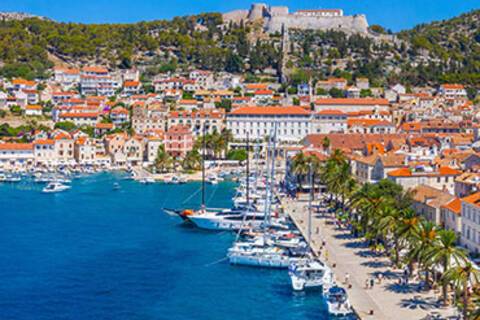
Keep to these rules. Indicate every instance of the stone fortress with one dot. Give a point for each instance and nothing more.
(275, 18)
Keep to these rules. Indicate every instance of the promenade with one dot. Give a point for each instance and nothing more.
(346, 254)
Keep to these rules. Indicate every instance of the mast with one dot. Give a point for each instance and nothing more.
(272, 173)
(248, 175)
(309, 235)
(203, 168)
(267, 184)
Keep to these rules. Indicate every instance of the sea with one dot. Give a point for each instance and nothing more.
(94, 252)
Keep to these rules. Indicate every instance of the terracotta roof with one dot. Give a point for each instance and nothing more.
(352, 101)
(131, 84)
(473, 199)
(263, 92)
(119, 110)
(79, 115)
(16, 146)
(95, 69)
(33, 107)
(368, 122)
(101, 125)
(455, 206)
(43, 142)
(256, 86)
(332, 112)
(453, 86)
(431, 196)
(270, 111)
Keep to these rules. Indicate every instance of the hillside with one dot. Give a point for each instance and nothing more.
(445, 51)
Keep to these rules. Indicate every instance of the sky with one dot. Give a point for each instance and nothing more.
(393, 14)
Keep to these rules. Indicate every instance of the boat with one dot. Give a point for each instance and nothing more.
(176, 180)
(337, 301)
(116, 186)
(267, 257)
(232, 220)
(309, 273)
(55, 187)
(3, 178)
(213, 179)
(147, 180)
(12, 178)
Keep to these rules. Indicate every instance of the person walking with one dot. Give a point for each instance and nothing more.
(347, 279)
(372, 283)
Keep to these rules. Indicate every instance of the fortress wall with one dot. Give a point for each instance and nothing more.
(347, 24)
(235, 16)
(257, 11)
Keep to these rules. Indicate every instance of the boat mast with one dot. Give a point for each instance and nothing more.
(309, 235)
(272, 174)
(248, 175)
(203, 168)
(267, 183)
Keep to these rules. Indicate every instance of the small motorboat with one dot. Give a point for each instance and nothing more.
(337, 301)
(147, 180)
(116, 186)
(55, 187)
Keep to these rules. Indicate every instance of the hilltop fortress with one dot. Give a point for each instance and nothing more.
(277, 17)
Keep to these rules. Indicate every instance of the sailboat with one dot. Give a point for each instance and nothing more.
(231, 219)
(185, 213)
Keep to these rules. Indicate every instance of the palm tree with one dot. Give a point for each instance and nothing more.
(422, 242)
(164, 161)
(444, 252)
(300, 167)
(461, 277)
(407, 229)
(192, 160)
(388, 228)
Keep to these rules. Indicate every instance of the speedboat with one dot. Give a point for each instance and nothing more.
(55, 187)
(337, 301)
(213, 179)
(116, 186)
(309, 273)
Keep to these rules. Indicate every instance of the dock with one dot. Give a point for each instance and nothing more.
(347, 254)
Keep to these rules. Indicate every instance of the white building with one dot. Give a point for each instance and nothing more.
(328, 121)
(292, 123)
(452, 91)
(471, 222)
(352, 105)
(14, 155)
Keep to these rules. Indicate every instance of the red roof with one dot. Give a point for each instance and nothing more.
(455, 206)
(79, 115)
(16, 146)
(270, 111)
(352, 101)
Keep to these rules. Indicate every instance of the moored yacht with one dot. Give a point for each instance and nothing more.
(337, 301)
(267, 257)
(226, 220)
(309, 273)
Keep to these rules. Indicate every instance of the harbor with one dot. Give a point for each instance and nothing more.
(346, 254)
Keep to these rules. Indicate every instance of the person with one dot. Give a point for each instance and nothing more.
(347, 278)
(380, 277)
(367, 283)
(372, 283)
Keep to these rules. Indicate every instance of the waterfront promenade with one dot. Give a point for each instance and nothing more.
(346, 254)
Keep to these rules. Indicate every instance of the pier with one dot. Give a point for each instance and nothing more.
(347, 254)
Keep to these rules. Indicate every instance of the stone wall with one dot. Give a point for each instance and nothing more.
(347, 24)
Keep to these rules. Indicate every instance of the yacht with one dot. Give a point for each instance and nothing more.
(55, 187)
(213, 179)
(337, 301)
(309, 273)
(226, 220)
(267, 257)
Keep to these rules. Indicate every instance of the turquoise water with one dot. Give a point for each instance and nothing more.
(96, 253)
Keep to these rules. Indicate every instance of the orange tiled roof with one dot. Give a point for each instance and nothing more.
(16, 146)
(270, 111)
(455, 206)
(473, 199)
(352, 101)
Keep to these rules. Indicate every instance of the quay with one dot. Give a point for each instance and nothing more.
(347, 254)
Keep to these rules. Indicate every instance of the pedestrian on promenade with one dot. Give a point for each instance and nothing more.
(347, 278)
(367, 283)
(380, 277)
(372, 283)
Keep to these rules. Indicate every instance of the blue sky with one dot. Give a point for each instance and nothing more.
(393, 14)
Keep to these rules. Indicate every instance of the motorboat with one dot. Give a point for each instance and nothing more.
(55, 187)
(147, 180)
(309, 273)
(12, 178)
(176, 180)
(337, 301)
(213, 179)
(116, 186)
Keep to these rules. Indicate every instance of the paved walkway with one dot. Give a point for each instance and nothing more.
(345, 254)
